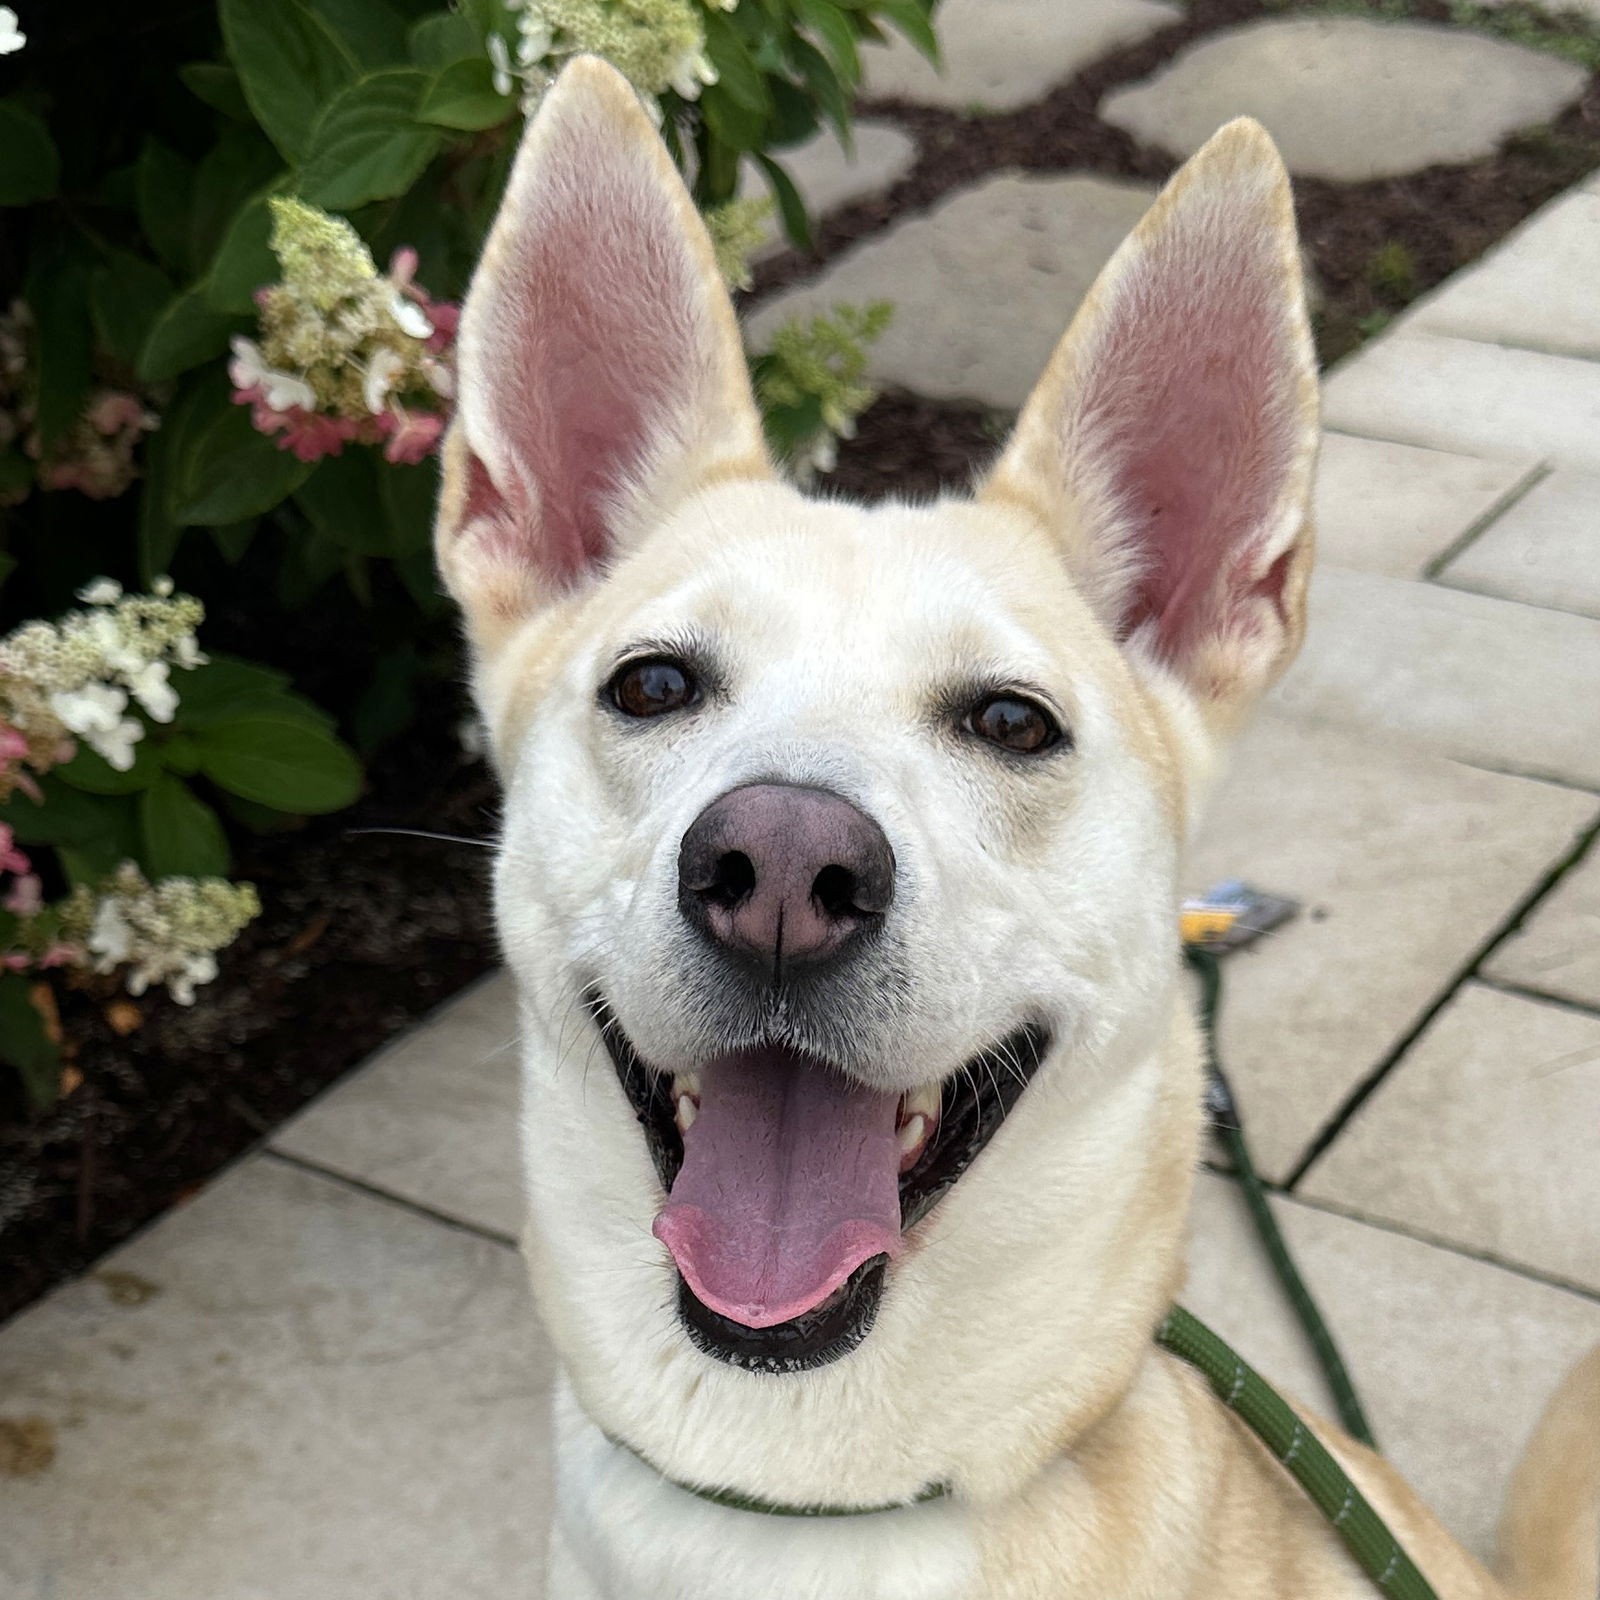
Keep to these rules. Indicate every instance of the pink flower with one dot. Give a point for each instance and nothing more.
(308, 434)
(24, 897)
(443, 314)
(11, 858)
(114, 410)
(13, 747)
(413, 435)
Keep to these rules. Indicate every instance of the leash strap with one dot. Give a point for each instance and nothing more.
(1265, 1412)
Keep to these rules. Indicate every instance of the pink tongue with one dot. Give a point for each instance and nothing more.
(790, 1181)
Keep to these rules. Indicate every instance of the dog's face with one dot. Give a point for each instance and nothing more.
(835, 839)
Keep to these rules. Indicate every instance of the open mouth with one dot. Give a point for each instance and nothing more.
(790, 1186)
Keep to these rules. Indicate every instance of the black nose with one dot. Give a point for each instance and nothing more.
(783, 873)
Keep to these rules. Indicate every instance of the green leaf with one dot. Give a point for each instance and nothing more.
(58, 292)
(186, 334)
(231, 472)
(179, 834)
(367, 144)
(838, 38)
(735, 127)
(196, 401)
(216, 84)
(237, 167)
(372, 31)
(90, 771)
(126, 296)
(165, 187)
(911, 18)
(244, 260)
(25, 1042)
(65, 816)
(30, 168)
(342, 499)
(234, 540)
(226, 688)
(281, 762)
(737, 71)
(389, 703)
(440, 41)
(791, 204)
(462, 95)
(820, 79)
(290, 64)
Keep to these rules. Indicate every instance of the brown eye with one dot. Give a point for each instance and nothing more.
(1014, 724)
(651, 688)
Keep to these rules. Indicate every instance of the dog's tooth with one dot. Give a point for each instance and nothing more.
(912, 1133)
(923, 1102)
(688, 1110)
(686, 1083)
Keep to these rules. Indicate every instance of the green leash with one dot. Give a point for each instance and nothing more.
(1234, 1382)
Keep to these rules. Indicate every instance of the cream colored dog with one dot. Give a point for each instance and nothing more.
(834, 835)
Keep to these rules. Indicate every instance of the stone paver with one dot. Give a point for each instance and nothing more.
(433, 1118)
(983, 285)
(1544, 551)
(1557, 950)
(1404, 863)
(1394, 509)
(1347, 98)
(1453, 1358)
(324, 1396)
(1000, 54)
(1487, 681)
(1480, 399)
(1536, 290)
(1483, 1135)
(828, 176)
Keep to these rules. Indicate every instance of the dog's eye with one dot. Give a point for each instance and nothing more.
(651, 688)
(1014, 724)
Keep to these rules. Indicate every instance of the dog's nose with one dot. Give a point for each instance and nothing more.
(786, 874)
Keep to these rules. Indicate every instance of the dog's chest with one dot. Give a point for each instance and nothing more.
(623, 1533)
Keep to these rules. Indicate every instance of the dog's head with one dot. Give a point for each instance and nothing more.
(835, 835)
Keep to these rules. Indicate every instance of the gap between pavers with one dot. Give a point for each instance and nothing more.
(1557, 949)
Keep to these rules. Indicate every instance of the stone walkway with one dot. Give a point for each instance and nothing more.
(321, 1378)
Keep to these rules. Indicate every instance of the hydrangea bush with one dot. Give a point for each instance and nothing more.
(232, 243)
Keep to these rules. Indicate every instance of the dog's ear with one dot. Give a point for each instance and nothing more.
(600, 376)
(1171, 441)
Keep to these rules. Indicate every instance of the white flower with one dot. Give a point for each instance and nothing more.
(186, 651)
(161, 586)
(100, 591)
(410, 316)
(196, 970)
(116, 744)
(282, 391)
(385, 366)
(692, 74)
(94, 709)
(500, 61)
(152, 690)
(111, 938)
(11, 36)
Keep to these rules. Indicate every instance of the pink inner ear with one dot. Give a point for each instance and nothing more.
(1191, 406)
(591, 343)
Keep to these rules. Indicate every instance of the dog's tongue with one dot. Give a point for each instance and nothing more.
(790, 1180)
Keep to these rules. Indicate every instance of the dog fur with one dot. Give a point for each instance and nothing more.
(1140, 552)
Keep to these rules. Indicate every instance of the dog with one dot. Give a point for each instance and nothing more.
(862, 1098)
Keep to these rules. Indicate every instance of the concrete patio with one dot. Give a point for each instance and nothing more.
(322, 1378)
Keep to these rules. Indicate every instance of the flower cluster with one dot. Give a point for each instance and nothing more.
(12, 38)
(346, 355)
(95, 456)
(77, 676)
(818, 367)
(168, 932)
(738, 229)
(656, 45)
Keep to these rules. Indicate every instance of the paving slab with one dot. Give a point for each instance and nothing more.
(1557, 950)
(432, 1118)
(828, 176)
(1395, 509)
(1479, 399)
(296, 1391)
(1454, 1358)
(983, 285)
(1348, 98)
(1488, 681)
(1404, 864)
(1483, 1135)
(1544, 550)
(1000, 54)
(1534, 290)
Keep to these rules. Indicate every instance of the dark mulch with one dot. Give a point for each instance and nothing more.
(361, 934)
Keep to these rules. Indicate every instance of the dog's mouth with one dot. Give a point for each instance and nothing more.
(790, 1187)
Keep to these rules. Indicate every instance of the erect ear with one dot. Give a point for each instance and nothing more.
(1170, 443)
(600, 376)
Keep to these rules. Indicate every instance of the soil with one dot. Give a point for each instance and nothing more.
(362, 933)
